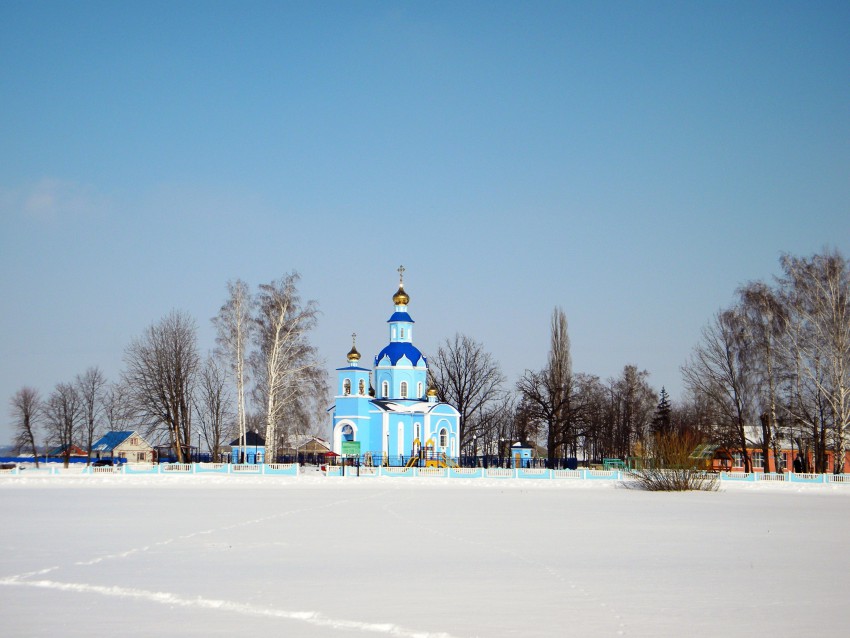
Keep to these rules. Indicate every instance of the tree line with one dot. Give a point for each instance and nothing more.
(263, 375)
(775, 363)
(773, 369)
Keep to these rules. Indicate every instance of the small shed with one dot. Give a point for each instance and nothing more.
(521, 454)
(127, 444)
(254, 451)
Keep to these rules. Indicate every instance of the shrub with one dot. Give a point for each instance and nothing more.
(672, 468)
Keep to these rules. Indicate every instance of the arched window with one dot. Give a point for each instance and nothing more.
(361, 387)
(444, 437)
(347, 433)
(385, 389)
(401, 335)
(403, 390)
(346, 387)
(419, 390)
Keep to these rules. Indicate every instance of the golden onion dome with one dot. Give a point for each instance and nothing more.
(432, 391)
(401, 298)
(353, 355)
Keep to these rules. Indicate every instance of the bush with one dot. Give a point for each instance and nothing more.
(672, 469)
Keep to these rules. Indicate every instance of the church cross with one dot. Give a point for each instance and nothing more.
(401, 274)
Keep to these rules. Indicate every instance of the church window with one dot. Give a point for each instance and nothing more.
(346, 387)
(385, 389)
(403, 390)
(444, 438)
(361, 387)
(419, 390)
(402, 333)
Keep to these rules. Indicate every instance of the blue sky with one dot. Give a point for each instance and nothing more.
(631, 162)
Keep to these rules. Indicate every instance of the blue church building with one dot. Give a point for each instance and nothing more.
(399, 418)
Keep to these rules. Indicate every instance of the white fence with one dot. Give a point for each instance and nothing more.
(173, 469)
(468, 473)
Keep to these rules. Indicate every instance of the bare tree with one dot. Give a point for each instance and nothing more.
(27, 413)
(118, 414)
(631, 404)
(233, 326)
(285, 364)
(467, 377)
(550, 394)
(213, 406)
(161, 370)
(819, 289)
(90, 388)
(765, 319)
(720, 370)
(64, 417)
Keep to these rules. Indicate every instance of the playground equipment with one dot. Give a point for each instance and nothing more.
(428, 457)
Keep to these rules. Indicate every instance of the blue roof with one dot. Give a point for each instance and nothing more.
(110, 441)
(399, 349)
(401, 316)
(252, 439)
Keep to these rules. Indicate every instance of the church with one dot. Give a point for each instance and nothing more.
(398, 420)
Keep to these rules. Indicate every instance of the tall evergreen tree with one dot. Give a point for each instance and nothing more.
(661, 423)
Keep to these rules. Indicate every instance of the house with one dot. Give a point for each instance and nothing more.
(399, 418)
(73, 451)
(127, 445)
(304, 448)
(254, 451)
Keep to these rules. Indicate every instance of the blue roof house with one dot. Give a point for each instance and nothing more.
(126, 445)
(400, 417)
(254, 452)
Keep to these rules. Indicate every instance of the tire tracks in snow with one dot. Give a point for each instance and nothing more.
(173, 600)
(167, 598)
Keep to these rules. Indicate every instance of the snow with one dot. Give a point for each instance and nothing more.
(312, 556)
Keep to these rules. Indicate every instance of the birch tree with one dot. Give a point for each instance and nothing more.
(233, 327)
(284, 362)
(764, 318)
(719, 369)
(90, 388)
(161, 369)
(820, 290)
(27, 413)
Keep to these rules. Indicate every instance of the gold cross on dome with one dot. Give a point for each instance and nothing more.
(353, 338)
(401, 274)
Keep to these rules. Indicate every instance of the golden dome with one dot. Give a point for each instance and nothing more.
(401, 298)
(353, 355)
(432, 391)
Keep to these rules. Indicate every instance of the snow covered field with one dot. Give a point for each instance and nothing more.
(313, 556)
